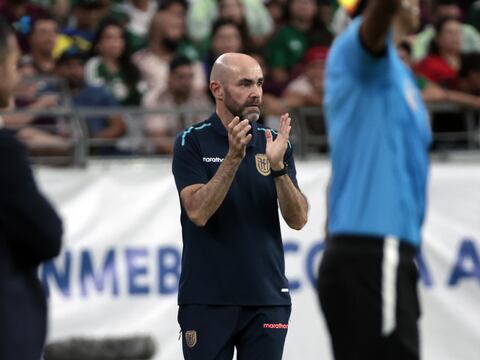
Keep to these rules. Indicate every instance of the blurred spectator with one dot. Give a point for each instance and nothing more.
(234, 10)
(175, 7)
(203, 13)
(340, 21)
(325, 10)
(165, 37)
(470, 74)
(226, 37)
(272, 105)
(305, 90)
(70, 66)
(179, 95)
(110, 64)
(42, 135)
(474, 15)
(309, 86)
(21, 14)
(179, 9)
(60, 9)
(140, 14)
(106, 6)
(444, 59)
(82, 27)
(470, 38)
(30, 93)
(464, 5)
(277, 11)
(434, 93)
(42, 39)
(439, 84)
(288, 46)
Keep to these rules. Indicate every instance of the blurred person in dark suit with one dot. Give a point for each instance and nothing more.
(30, 232)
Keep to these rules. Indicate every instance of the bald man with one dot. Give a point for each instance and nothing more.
(231, 175)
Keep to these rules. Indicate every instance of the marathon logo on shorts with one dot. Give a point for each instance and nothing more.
(212, 160)
(275, 326)
(191, 338)
(263, 165)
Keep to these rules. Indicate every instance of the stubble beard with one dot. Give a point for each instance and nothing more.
(241, 110)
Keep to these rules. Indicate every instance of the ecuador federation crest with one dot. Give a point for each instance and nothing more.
(263, 165)
(191, 338)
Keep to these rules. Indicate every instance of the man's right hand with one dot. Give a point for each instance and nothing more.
(238, 137)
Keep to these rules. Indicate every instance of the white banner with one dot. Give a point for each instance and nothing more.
(119, 269)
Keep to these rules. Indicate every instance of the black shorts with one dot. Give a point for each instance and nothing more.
(212, 332)
(368, 293)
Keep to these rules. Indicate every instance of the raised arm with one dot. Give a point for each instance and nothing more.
(293, 204)
(201, 201)
(377, 20)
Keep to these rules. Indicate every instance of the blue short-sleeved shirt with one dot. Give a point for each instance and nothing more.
(95, 96)
(379, 136)
(237, 258)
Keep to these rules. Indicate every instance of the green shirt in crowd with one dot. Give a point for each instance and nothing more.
(97, 74)
(287, 48)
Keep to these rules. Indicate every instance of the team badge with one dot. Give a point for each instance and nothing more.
(263, 165)
(191, 338)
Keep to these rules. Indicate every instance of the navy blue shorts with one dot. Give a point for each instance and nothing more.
(212, 332)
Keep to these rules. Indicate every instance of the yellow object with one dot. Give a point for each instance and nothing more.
(349, 5)
(65, 42)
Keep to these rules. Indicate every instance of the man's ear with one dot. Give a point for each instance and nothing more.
(217, 90)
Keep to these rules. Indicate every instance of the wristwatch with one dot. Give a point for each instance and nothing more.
(277, 173)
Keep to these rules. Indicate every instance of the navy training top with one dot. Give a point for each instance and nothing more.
(237, 257)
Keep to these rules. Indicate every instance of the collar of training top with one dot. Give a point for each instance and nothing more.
(220, 129)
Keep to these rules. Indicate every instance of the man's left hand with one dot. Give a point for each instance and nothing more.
(276, 149)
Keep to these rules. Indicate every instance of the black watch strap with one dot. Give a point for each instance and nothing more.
(277, 173)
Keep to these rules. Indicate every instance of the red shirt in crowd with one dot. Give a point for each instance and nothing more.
(436, 69)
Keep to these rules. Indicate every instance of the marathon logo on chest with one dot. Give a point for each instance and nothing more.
(212, 160)
(275, 326)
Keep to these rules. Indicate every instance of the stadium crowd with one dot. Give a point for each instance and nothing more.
(158, 54)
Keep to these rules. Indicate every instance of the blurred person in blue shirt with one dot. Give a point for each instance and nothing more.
(379, 136)
(70, 67)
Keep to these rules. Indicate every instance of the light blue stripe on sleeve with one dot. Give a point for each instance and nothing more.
(189, 130)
